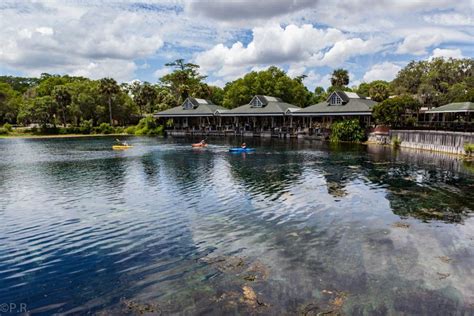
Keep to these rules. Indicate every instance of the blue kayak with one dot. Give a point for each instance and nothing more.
(241, 150)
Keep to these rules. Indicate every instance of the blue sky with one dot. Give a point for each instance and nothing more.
(131, 40)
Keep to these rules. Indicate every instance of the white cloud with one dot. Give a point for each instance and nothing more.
(417, 43)
(384, 71)
(162, 72)
(449, 19)
(447, 53)
(298, 46)
(315, 79)
(88, 41)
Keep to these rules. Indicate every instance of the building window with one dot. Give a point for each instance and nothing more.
(256, 102)
(335, 100)
(188, 105)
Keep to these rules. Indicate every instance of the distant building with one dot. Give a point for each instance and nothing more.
(266, 116)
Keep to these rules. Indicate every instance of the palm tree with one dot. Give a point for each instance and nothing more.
(339, 78)
(109, 87)
(63, 98)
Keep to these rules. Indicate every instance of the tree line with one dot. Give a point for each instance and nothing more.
(53, 100)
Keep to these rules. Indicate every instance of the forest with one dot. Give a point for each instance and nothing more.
(80, 104)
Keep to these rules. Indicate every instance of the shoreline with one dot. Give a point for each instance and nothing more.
(26, 136)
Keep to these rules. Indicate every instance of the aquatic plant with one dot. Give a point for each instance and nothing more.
(348, 130)
(396, 142)
(469, 149)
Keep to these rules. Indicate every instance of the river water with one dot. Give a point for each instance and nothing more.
(294, 228)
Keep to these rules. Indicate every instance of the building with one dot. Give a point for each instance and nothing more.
(339, 105)
(194, 116)
(262, 116)
(266, 116)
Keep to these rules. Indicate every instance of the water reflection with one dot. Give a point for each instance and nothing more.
(297, 227)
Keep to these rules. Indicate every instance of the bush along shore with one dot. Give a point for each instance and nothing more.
(146, 126)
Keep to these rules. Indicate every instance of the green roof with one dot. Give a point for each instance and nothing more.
(261, 105)
(350, 104)
(455, 107)
(191, 107)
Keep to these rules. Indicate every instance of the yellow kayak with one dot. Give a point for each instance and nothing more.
(121, 147)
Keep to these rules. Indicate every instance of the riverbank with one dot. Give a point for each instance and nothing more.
(59, 136)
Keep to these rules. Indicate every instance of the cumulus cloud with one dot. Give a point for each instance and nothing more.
(447, 53)
(416, 43)
(383, 71)
(301, 46)
(246, 9)
(90, 42)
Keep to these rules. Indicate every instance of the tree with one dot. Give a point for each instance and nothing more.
(9, 103)
(41, 110)
(340, 78)
(272, 82)
(432, 80)
(319, 95)
(379, 91)
(63, 98)
(109, 88)
(184, 81)
(397, 111)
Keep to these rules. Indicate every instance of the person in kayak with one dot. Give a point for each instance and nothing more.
(122, 143)
(243, 146)
(203, 142)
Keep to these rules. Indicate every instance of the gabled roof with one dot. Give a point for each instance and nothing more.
(200, 107)
(456, 107)
(270, 106)
(353, 104)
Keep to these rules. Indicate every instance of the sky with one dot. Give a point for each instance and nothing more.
(129, 40)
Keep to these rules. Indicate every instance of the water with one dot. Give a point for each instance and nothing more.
(296, 228)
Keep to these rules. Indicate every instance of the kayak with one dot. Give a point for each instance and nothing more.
(199, 145)
(241, 150)
(121, 147)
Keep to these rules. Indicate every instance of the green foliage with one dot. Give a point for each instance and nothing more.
(7, 127)
(149, 126)
(397, 111)
(130, 130)
(86, 127)
(273, 82)
(347, 130)
(379, 91)
(3, 131)
(396, 142)
(10, 101)
(469, 149)
(437, 81)
(339, 78)
(104, 128)
(184, 81)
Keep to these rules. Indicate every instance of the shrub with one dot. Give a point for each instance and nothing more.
(7, 127)
(104, 128)
(3, 131)
(130, 130)
(86, 127)
(148, 126)
(348, 130)
(469, 149)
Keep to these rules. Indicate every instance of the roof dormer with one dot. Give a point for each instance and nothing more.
(258, 102)
(335, 99)
(188, 104)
